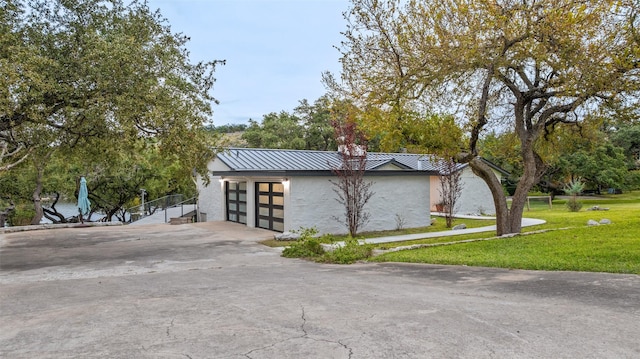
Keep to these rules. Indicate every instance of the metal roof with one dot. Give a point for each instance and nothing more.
(276, 160)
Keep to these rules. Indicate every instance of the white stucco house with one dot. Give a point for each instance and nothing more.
(476, 198)
(284, 190)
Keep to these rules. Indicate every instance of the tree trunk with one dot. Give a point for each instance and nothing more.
(37, 204)
(503, 220)
(52, 214)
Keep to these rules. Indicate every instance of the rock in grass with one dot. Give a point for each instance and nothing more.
(591, 222)
(605, 221)
(459, 226)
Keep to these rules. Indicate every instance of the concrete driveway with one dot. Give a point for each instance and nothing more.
(209, 290)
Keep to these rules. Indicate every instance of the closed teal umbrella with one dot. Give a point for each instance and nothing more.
(84, 206)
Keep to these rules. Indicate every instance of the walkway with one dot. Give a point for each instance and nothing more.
(526, 222)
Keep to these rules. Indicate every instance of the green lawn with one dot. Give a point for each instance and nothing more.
(611, 248)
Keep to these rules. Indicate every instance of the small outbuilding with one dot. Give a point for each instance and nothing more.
(284, 190)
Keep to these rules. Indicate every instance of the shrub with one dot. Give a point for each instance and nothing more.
(351, 252)
(400, 222)
(22, 215)
(573, 188)
(574, 205)
(308, 246)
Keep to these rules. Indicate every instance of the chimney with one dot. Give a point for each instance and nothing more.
(358, 150)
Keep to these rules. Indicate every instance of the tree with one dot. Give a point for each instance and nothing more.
(601, 166)
(529, 66)
(627, 137)
(574, 188)
(114, 180)
(450, 178)
(277, 130)
(316, 121)
(228, 128)
(307, 128)
(12, 150)
(352, 189)
(85, 69)
(96, 77)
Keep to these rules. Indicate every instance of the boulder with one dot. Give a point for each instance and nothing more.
(459, 226)
(605, 221)
(591, 222)
(286, 236)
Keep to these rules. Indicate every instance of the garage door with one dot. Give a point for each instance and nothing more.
(236, 193)
(270, 206)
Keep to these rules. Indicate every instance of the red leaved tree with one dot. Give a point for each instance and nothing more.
(450, 177)
(352, 189)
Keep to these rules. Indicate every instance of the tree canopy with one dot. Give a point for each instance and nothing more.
(528, 66)
(307, 128)
(107, 86)
(73, 71)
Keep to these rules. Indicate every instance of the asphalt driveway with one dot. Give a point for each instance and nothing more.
(209, 290)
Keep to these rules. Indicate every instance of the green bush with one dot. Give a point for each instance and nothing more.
(308, 246)
(22, 215)
(351, 252)
(574, 205)
(573, 188)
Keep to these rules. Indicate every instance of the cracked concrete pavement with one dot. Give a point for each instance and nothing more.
(209, 290)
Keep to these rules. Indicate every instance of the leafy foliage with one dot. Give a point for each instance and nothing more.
(526, 66)
(627, 137)
(574, 205)
(228, 128)
(351, 252)
(574, 188)
(281, 130)
(602, 167)
(96, 82)
(114, 182)
(308, 128)
(308, 246)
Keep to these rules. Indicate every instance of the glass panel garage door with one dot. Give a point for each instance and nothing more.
(236, 194)
(270, 206)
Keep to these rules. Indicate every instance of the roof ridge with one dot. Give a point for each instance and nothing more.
(324, 151)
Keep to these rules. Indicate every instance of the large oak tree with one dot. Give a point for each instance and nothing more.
(97, 77)
(81, 69)
(525, 65)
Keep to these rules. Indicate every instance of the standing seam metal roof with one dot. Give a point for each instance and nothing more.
(257, 159)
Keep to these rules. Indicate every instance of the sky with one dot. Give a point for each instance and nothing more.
(276, 50)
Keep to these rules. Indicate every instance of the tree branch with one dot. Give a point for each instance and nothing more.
(481, 119)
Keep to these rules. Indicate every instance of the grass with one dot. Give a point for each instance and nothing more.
(613, 248)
